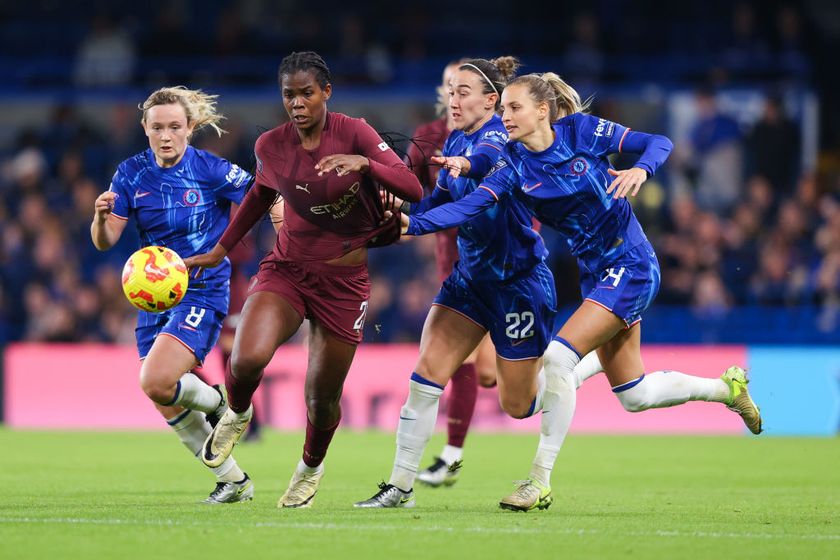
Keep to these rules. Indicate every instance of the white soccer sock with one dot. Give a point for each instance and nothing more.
(538, 398)
(558, 408)
(661, 389)
(192, 429)
(450, 454)
(589, 365)
(303, 468)
(417, 422)
(195, 394)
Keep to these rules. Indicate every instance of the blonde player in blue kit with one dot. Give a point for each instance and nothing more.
(556, 162)
(181, 198)
(499, 285)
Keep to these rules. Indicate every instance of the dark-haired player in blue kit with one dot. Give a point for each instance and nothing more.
(500, 284)
(556, 162)
(180, 198)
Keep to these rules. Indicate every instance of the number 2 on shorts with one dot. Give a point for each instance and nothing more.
(360, 322)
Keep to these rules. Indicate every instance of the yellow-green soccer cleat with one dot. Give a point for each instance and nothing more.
(302, 489)
(528, 495)
(739, 398)
(219, 444)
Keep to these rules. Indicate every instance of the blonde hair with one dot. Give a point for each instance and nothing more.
(563, 100)
(200, 107)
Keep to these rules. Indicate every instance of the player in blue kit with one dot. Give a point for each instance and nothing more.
(181, 198)
(556, 162)
(500, 284)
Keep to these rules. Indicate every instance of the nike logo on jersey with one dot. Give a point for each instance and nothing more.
(303, 188)
(383, 146)
(526, 188)
(139, 194)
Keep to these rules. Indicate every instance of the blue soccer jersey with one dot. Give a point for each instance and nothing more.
(499, 243)
(185, 207)
(565, 187)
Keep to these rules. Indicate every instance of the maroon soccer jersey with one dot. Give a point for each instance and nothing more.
(328, 216)
(428, 141)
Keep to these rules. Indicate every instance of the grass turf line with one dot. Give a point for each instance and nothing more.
(133, 495)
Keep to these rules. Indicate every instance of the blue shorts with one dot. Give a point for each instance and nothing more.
(627, 287)
(197, 328)
(518, 313)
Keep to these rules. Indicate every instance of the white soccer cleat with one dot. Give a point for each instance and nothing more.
(389, 496)
(231, 492)
(219, 444)
(302, 489)
(440, 474)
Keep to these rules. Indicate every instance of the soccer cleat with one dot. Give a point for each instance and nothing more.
(231, 492)
(389, 496)
(302, 489)
(216, 415)
(739, 398)
(528, 495)
(440, 474)
(219, 444)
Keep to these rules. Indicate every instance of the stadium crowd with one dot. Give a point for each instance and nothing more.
(735, 217)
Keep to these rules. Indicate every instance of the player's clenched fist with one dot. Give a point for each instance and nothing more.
(103, 205)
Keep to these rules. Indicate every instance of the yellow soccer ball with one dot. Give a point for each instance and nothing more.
(155, 279)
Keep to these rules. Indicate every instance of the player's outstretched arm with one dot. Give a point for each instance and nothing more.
(456, 165)
(452, 214)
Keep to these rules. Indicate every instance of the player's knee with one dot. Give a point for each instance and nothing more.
(559, 356)
(486, 376)
(636, 398)
(323, 410)
(158, 391)
(515, 407)
(247, 365)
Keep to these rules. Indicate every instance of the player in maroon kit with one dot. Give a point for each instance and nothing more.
(328, 168)
(480, 366)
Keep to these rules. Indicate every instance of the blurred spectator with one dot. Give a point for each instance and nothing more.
(106, 57)
(583, 60)
(746, 51)
(774, 147)
(792, 49)
(717, 157)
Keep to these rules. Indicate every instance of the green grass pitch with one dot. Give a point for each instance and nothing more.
(127, 496)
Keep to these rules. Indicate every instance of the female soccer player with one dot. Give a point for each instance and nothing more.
(326, 166)
(480, 366)
(556, 161)
(180, 197)
(499, 285)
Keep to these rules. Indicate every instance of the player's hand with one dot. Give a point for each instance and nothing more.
(456, 165)
(103, 206)
(404, 221)
(627, 181)
(390, 201)
(342, 164)
(197, 263)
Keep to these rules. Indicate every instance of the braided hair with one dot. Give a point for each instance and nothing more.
(305, 61)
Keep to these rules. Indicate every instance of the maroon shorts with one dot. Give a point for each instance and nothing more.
(334, 296)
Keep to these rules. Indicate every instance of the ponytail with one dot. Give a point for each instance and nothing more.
(562, 99)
